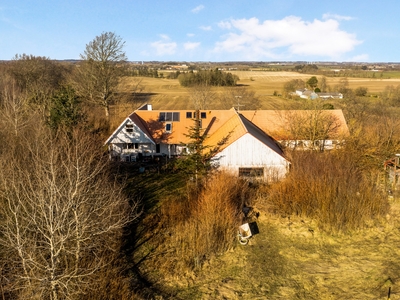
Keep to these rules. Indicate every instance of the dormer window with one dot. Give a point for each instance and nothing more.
(129, 128)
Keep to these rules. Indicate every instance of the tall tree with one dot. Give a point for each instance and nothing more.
(62, 215)
(323, 85)
(65, 111)
(240, 97)
(201, 95)
(292, 85)
(199, 159)
(312, 82)
(103, 64)
(314, 125)
(37, 78)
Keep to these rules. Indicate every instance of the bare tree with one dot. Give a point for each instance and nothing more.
(62, 215)
(97, 77)
(14, 106)
(38, 78)
(323, 85)
(314, 126)
(201, 95)
(292, 85)
(241, 98)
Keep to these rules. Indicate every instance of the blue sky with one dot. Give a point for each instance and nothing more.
(208, 30)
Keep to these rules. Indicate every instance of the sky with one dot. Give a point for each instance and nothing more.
(206, 30)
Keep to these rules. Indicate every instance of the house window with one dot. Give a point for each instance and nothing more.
(131, 146)
(175, 117)
(203, 115)
(129, 127)
(169, 116)
(168, 127)
(189, 115)
(251, 172)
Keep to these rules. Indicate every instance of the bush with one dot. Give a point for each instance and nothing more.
(332, 190)
(204, 225)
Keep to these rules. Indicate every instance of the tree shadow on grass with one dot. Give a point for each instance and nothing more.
(142, 237)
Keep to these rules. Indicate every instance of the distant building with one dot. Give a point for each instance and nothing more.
(308, 94)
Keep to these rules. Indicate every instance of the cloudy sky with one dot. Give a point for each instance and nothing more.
(209, 30)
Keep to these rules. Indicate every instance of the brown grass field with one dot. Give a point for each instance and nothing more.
(168, 94)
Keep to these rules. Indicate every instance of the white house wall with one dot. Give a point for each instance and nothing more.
(137, 136)
(249, 152)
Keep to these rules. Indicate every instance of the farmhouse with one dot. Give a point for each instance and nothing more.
(250, 147)
(307, 94)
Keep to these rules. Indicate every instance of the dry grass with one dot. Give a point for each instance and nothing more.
(332, 190)
(200, 227)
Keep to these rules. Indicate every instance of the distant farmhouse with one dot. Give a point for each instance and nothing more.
(307, 94)
(254, 138)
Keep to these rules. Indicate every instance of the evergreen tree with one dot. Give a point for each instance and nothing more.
(199, 160)
(65, 109)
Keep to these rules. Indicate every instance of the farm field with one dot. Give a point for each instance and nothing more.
(167, 94)
(267, 82)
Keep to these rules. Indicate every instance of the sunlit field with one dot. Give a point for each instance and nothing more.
(167, 94)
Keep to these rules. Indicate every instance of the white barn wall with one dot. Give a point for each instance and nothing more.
(249, 152)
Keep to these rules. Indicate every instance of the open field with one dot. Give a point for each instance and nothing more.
(167, 93)
(268, 82)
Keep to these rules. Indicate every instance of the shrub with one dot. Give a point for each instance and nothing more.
(204, 225)
(330, 188)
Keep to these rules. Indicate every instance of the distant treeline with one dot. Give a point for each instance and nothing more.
(143, 72)
(209, 77)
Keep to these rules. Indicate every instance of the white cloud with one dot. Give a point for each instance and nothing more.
(285, 38)
(205, 28)
(190, 45)
(164, 37)
(190, 34)
(336, 17)
(164, 46)
(197, 9)
(225, 25)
